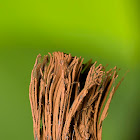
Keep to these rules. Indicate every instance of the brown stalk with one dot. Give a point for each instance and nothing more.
(67, 97)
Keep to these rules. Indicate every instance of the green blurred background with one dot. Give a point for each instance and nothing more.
(105, 30)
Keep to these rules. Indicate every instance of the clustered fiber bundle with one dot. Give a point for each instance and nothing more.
(69, 100)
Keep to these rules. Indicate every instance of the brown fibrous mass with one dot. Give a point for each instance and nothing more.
(69, 99)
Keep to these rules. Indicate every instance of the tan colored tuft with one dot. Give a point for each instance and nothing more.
(67, 97)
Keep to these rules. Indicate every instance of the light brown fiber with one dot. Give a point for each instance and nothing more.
(69, 100)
